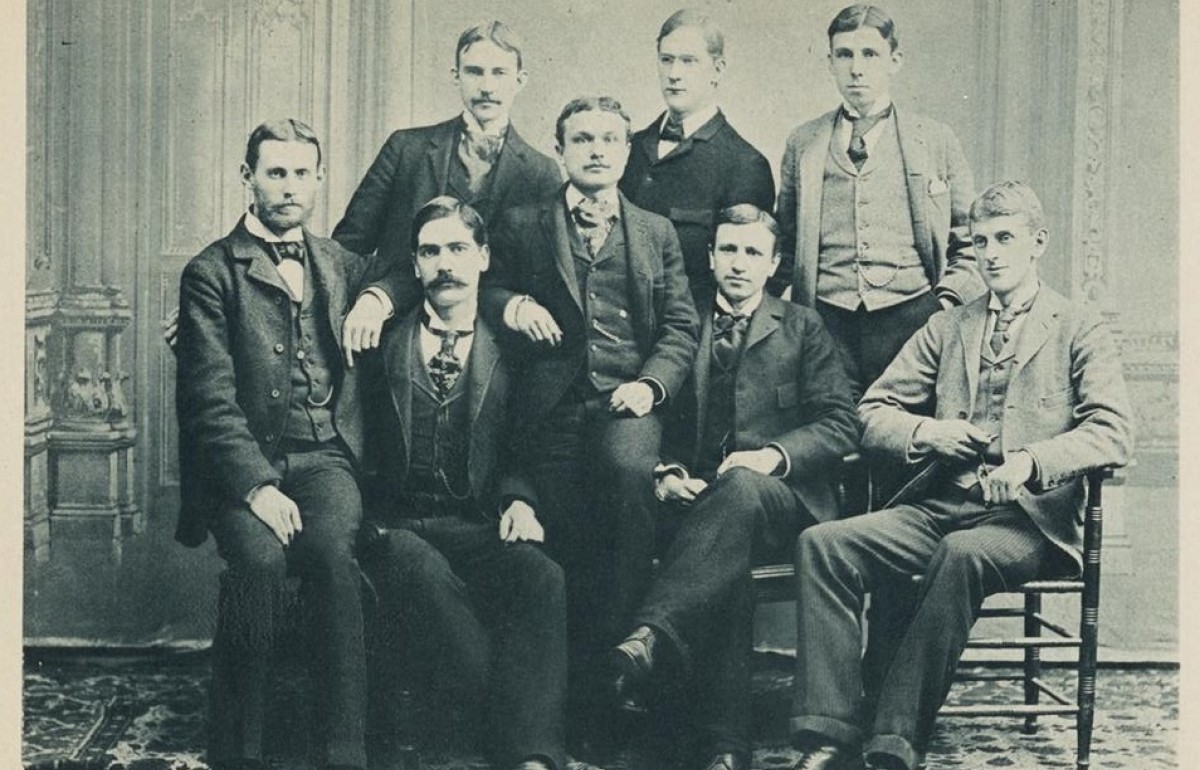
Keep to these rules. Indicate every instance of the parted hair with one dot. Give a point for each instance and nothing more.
(587, 104)
(714, 38)
(493, 31)
(1009, 198)
(861, 15)
(746, 214)
(444, 207)
(280, 130)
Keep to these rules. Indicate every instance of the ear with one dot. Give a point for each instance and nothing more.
(897, 61)
(522, 78)
(486, 255)
(712, 262)
(719, 66)
(454, 78)
(321, 173)
(776, 258)
(246, 173)
(1040, 239)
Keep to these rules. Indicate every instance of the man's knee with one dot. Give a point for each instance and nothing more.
(817, 543)
(541, 578)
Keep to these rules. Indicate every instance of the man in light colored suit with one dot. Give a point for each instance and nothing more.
(873, 205)
(1007, 402)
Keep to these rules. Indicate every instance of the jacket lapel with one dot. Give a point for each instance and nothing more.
(329, 279)
(638, 244)
(554, 226)
(970, 332)
(766, 320)
(441, 142)
(915, 156)
(509, 173)
(812, 183)
(484, 359)
(700, 370)
(647, 141)
(1036, 328)
(398, 357)
(259, 266)
(702, 134)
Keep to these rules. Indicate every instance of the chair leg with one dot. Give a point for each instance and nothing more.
(1033, 659)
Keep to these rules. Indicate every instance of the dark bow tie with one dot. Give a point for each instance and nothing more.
(281, 250)
(725, 325)
(672, 130)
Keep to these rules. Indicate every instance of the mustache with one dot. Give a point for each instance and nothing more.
(446, 279)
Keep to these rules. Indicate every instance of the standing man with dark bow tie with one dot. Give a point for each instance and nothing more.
(690, 163)
(751, 452)
(873, 205)
(477, 157)
(595, 290)
(464, 587)
(270, 438)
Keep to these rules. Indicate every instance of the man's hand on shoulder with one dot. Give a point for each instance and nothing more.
(519, 522)
(275, 509)
(525, 315)
(1003, 484)
(765, 461)
(363, 325)
(957, 439)
(636, 398)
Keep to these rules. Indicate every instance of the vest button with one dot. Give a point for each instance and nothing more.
(278, 347)
(269, 437)
(591, 295)
(300, 354)
(649, 179)
(274, 392)
(622, 313)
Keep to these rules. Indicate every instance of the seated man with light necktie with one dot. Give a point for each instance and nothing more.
(455, 554)
(1000, 407)
(750, 456)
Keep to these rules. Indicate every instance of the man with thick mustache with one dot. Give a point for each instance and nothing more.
(457, 563)
(477, 157)
(270, 438)
(595, 290)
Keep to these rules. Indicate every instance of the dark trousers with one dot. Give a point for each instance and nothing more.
(321, 482)
(868, 341)
(594, 477)
(964, 550)
(487, 622)
(702, 599)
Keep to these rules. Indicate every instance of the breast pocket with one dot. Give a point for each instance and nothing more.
(786, 395)
(1056, 398)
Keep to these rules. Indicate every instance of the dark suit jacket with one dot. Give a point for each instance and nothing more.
(531, 254)
(790, 390)
(234, 358)
(1066, 400)
(712, 169)
(412, 168)
(489, 385)
(940, 191)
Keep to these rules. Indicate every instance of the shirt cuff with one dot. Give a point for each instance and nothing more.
(1035, 477)
(670, 469)
(911, 453)
(784, 468)
(254, 489)
(660, 390)
(388, 308)
(510, 310)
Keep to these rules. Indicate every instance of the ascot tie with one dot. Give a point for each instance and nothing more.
(1004, 320)
(595, 220)
(445, 366)
(672, 130)
(478, 153)
(729, 331)
(859, 126)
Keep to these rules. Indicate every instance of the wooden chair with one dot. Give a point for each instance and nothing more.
(775, 582)
(1084, 639)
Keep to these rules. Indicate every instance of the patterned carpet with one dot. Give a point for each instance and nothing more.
(120, 713)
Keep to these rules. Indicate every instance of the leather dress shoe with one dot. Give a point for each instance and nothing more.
(828, 757)
(728, 761)
(632, 664)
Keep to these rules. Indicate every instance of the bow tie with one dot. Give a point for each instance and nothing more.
(590, 213)
(672, 130)
(725, 325)
(281, 250)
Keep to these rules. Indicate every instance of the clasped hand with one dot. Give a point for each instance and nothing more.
(519, 522)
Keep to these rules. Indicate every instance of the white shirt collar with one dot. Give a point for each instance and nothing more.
(609, 196)
(693, 122)
(496, 129)
(1016, 300)
(747, 309)
(876, 108)
(436, 322)
(256, 228)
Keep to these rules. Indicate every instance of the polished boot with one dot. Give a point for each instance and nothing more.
(632, 662)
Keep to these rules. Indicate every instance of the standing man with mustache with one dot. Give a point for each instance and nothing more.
(270, 437)
(690, 163)
(464, 585)
(595, 287)
(477, 157)
(873, 205)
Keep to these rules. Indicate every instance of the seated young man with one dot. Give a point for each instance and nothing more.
(1012, 399)
(750, 457)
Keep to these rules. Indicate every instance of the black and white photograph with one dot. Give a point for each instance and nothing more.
(600, 385)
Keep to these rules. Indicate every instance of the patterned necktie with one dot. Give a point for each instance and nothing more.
(295, 250)
(478, 153)
(1004, 320)
(672, 130)
(859, 126)
(728, 333)
(595, 220)
(446, 366)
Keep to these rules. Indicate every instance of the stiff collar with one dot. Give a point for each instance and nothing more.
(747, 309)
(256, 228)
(608, 197)
(692, 123)
(437, 324)
(497, 128)
(1016, 300)
(876, 108)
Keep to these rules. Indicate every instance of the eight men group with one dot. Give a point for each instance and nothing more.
(496, 399)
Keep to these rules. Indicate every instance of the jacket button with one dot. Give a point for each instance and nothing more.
(269, 437)
(622, 313)
(278, 347)
(274, 392)
(300, 354)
